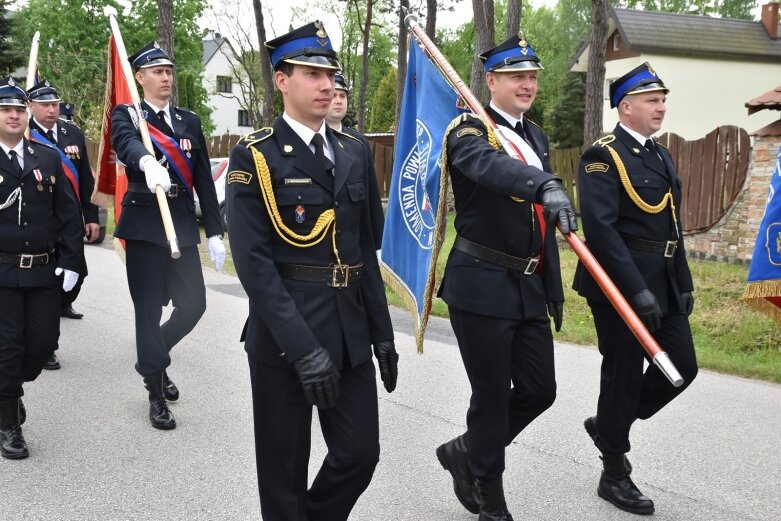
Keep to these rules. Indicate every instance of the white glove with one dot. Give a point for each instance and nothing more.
(156, 174)
(217, 252)
(69, 280)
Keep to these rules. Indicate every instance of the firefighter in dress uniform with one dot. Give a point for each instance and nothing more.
(502, 278)
(180, 165)
(304, 238)
(40, 238)
(630, 198)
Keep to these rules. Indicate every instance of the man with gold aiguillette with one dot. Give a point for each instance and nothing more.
(302, 207)
(630, 197)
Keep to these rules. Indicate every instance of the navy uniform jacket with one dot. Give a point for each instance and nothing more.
(483, 180)
(46, 215)
(68, 134)
(289, 318)
(140, 219)
(608, 214)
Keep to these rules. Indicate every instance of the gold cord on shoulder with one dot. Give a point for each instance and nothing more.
(324, 221)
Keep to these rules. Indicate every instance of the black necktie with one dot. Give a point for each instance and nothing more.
(650, 146)
(166, 127)
(319, 144)
(521, 130)
(50, 136)
(15, 166)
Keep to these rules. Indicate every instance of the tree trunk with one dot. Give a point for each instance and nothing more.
(484, 40)
(595, 75)
(165, 37)
(513, 18)
(367, 28)
(401, 76)
(265, 66)
(431, 19)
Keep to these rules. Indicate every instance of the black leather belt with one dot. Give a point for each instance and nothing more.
(527, 266)
(173, 192)
(26, 260)
(666, 248)
(335, 276)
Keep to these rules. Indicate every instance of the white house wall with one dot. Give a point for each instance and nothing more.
(225, 111)
(704, 94)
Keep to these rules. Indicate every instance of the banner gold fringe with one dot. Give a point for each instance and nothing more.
(756, 294)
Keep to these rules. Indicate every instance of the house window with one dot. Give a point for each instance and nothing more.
(608, 81)
(244, 119)
(224, 84)
(616, 41)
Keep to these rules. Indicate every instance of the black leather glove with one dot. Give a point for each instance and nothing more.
(647, 308)
(557, 206)
(688, 303)
(319, 377)
(388, 360)
(556, 311)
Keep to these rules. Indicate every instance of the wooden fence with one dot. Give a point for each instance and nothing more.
(713, 170)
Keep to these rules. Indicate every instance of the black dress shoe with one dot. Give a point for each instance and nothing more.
(170, 390)
(616, 486)
(492, 504)
(69, 312)
(52, 363)
(453, 458)
(160, 415)
(12, 443)
(590, 424)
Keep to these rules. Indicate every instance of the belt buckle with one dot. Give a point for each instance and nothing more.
(26, 260)
(340, 276)
(669, 248)
(173, 192)
(532, 266)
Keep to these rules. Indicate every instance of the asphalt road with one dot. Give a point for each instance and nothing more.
(713, 454)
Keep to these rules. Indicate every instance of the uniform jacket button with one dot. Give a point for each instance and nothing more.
(336, 204)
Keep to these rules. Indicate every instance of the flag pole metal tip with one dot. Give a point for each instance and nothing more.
(174, 245)
(410, 21)
(666, 366)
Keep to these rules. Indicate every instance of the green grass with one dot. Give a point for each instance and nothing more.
(729, 336)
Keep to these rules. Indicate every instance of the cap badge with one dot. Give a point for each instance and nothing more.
(12, 83)
(522, 38)
(47, 83)
(157, 45)
(320, 30)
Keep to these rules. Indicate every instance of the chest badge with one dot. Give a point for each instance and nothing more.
(186, 145)
(39, 178)
(300, 214)
(64, 131)
(178, 117)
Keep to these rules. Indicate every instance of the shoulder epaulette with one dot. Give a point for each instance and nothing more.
(661, 145)
(69, 123)
(605, 140)
(256, 136)
(183, 109)
(342, 133)
(533, 123)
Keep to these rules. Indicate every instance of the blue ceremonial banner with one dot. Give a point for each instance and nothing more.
(415, 220)
(763, 291)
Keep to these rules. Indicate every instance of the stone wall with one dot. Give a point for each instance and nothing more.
(732, 238)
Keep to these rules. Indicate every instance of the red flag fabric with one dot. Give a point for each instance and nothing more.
(111, 179)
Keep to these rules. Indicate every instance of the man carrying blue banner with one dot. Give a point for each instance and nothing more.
(502, 277)
(764, 277)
